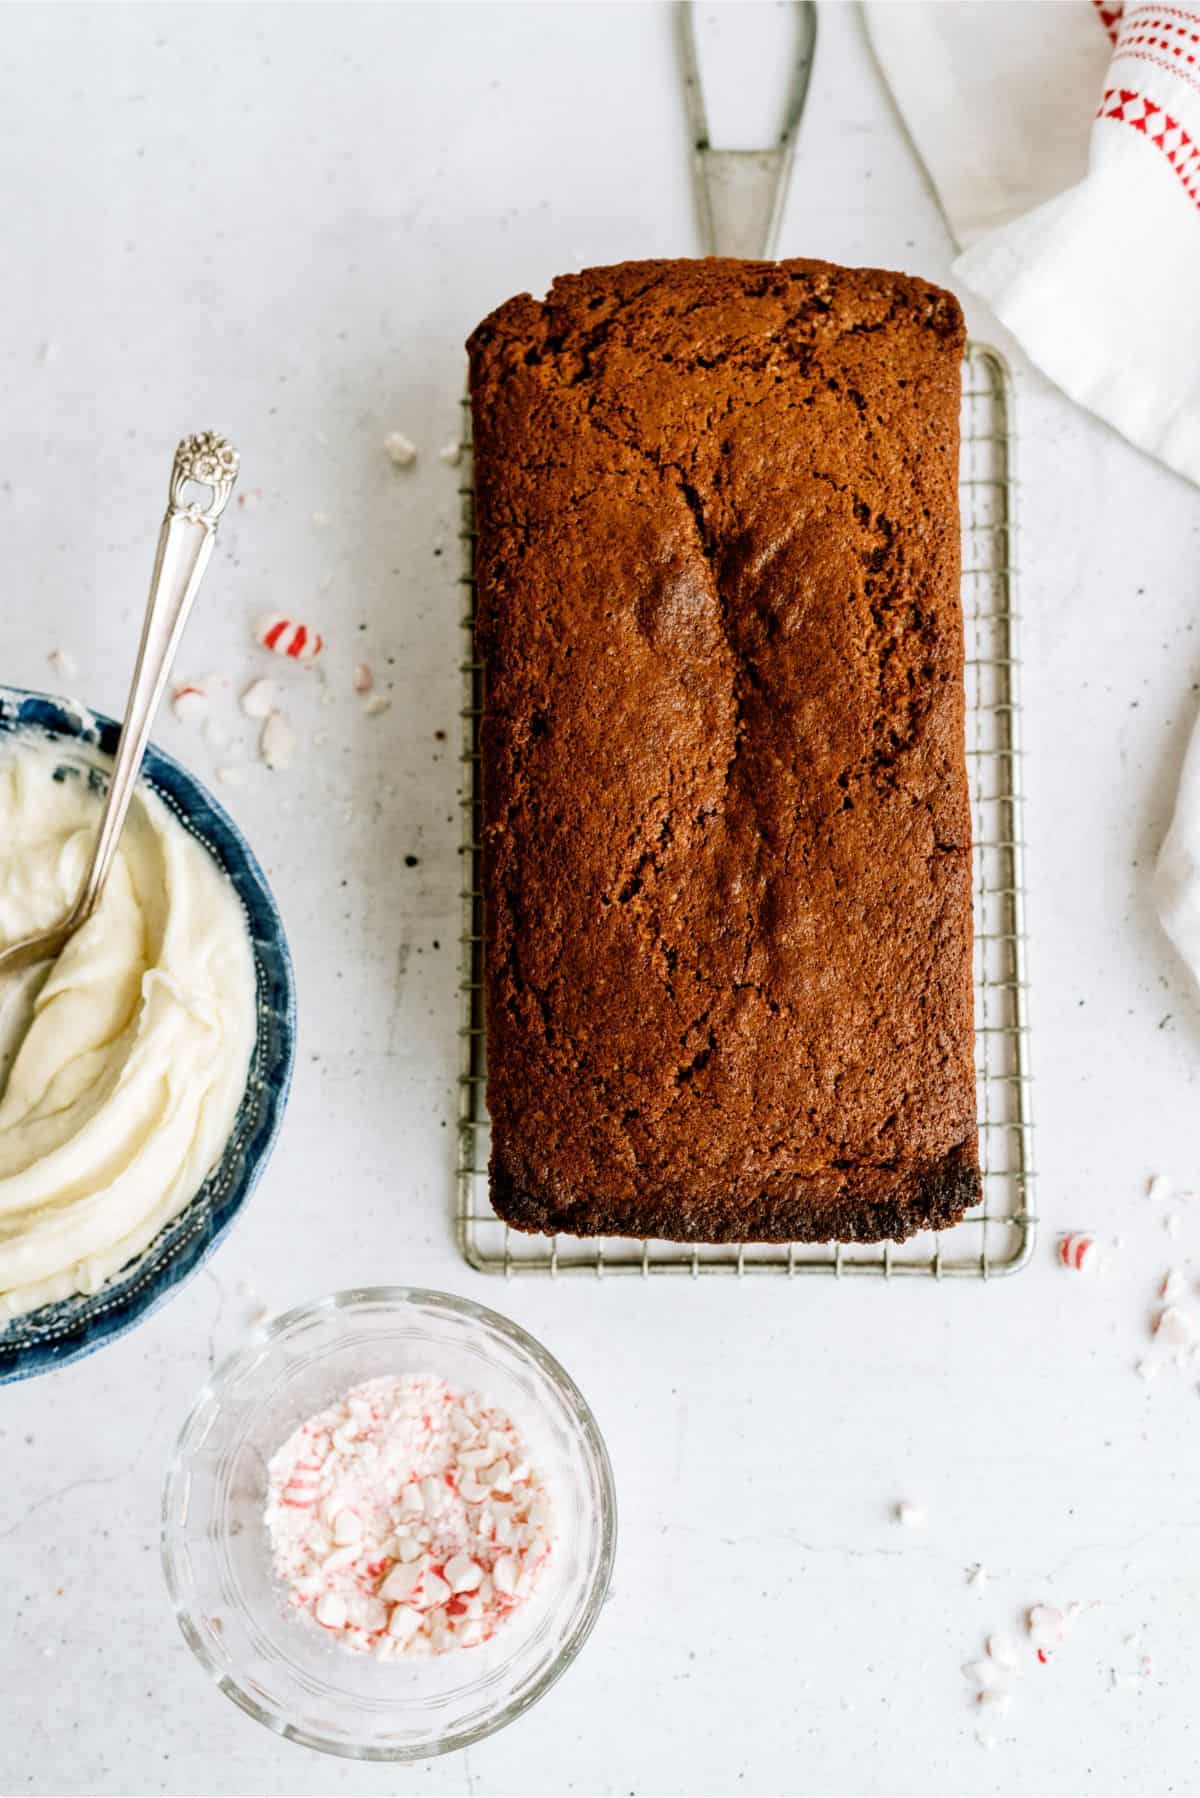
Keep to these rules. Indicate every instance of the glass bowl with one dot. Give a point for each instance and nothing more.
(277, 1665)
(71, 1328)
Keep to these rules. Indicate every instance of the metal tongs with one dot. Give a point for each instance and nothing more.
(742, 193)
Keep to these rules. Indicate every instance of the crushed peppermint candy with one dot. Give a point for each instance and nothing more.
(406, 1518)
(277, 745)
(189, 701)
(289, 637)
(401, 452)
(1046, 1624)
(1079, 1252)
(259, 700)
(986, 1676)
(1175, 1328)
(364, 677)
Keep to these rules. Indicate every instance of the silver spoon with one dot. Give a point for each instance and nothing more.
(185, 544)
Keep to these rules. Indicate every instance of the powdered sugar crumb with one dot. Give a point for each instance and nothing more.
(406, 1518)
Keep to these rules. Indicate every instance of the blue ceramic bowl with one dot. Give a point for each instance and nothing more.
(72, 1328)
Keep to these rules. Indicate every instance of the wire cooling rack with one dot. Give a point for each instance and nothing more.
(996, 1237)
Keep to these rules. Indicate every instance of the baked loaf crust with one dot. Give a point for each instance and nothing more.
(726, 841)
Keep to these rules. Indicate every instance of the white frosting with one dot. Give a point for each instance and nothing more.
(124, 1091)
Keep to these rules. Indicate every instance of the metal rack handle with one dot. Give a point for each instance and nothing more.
(742, 194)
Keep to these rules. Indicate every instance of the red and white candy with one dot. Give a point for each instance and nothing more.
(1079, 1252)
(189, 701)
(289, 637)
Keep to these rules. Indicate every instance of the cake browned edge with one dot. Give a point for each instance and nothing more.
(929, 1198)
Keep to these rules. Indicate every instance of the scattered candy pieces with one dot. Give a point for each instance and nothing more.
(995, 1701)
(1175, 1327)
(1047, 1626)
(1003, 1650)
(413, 1507)
(189, 701)
(985, 1675)
(259, 699)
(1173, 1285)
(1082, 1253)
(401, 452)
(364, 678)
(277, 745)
(63, 663)
(451, 453)
(376, 704)
(1158, 1186)
(287, 637)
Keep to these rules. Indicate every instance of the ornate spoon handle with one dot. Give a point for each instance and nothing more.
(185, 544)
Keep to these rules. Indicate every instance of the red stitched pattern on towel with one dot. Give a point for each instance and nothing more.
(1125, 106)
(1150, 34)
(1110, 15)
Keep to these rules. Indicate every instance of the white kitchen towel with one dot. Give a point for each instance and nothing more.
(1063, 137)
(1177, 876)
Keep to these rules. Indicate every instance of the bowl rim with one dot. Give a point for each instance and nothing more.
(72, 721)
(468, 1311)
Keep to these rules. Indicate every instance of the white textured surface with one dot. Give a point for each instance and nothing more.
(282, 224)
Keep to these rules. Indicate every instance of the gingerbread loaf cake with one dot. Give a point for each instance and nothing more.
(726, 839)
